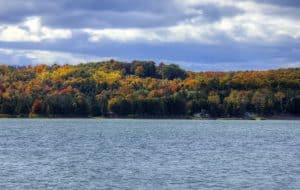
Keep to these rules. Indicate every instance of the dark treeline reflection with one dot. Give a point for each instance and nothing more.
(144, 89)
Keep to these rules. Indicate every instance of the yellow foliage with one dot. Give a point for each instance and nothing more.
(63, 71)
(214, 98)
(110, 78)
(43, 76)
(60, 73)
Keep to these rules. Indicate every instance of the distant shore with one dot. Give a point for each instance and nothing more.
(271, 117)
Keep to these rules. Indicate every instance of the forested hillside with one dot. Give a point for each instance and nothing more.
(144, 89)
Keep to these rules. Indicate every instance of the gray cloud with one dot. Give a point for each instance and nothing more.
(214, 13)
(249, 38)
(288, 3)
(92, 13)
(120, 13)
(108, 13)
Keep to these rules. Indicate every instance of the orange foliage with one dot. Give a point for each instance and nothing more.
(67, 90)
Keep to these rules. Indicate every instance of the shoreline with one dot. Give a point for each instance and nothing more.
(273, 117)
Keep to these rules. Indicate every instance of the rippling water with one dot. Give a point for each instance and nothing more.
(149, 154)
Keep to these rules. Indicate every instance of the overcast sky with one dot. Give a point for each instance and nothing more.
(196, 34)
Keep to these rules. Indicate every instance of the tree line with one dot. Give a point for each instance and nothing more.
(145, 89)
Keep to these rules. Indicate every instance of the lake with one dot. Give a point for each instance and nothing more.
(148, 154)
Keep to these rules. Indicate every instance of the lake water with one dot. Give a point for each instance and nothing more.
(148, 154)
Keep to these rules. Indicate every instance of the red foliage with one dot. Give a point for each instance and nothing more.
(67, 90)
(175, 88)
(37, 106)
(2, 89)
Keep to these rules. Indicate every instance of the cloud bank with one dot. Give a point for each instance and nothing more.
(241, 34)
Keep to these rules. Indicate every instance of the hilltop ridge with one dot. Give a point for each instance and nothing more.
(145, 89)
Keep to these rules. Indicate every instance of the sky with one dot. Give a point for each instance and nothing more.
(199, 35)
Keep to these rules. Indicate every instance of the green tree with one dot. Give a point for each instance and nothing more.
(172, 71)
(238, 102)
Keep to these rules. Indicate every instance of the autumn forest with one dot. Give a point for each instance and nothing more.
(145, 89)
